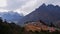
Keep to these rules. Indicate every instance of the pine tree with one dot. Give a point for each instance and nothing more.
(52, 25)
(1, 20)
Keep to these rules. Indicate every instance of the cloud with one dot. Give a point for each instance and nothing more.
(3, 3)
(27, 6)
(54, 2)
(14, 4)
(33, 4)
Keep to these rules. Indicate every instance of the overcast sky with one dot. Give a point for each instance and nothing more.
(24, 6)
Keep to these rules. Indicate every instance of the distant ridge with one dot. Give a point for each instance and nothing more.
(11, 16)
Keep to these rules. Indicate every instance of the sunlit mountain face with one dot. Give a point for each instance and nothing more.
(45, 13)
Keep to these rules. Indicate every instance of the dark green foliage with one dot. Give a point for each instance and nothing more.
(1, 20)
(12, 28)
(9, 28)
(42, 22)
(52, 25)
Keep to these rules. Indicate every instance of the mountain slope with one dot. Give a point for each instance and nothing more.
(45, 13)
(11, 16)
